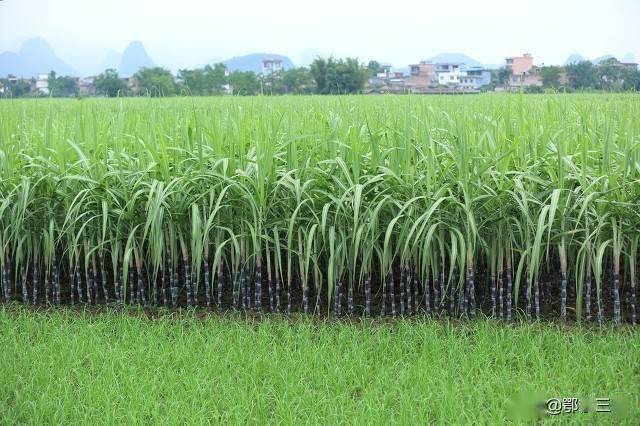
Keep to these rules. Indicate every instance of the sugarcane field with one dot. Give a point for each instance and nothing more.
(320, 259)
(511, 208)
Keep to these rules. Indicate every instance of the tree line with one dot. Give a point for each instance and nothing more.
(608, 75)
(323, 76)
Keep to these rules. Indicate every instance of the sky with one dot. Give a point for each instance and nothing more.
(188, 33)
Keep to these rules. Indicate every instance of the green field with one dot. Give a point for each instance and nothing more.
(69, 367)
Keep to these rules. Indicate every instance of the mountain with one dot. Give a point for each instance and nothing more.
(133, 58)
(34, 57)
(253, 62)
(456, 57)
(574, 59)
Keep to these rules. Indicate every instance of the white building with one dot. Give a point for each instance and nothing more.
(461, 76)
(42, 83)
(270, 66)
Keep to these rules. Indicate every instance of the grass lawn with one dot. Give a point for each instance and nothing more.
(71, 367)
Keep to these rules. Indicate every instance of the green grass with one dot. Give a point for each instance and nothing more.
(69, 367)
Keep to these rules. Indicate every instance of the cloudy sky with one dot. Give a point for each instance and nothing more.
(185, 33)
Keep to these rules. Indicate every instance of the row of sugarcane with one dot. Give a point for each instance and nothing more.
(403, 291)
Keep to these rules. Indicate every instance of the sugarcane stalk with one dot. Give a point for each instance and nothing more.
(133, 294)
(427, 302)
(350, 300)
(207, 284)
(402, 290)
(103, 277)
(119, 286)
(54, 278)
(436, 294)
(493, 293)
(633, 303)
(416, 297)
(367, 294)
(587, 295)
(472, 292)
(452, 296)
(235, 289)
(443, 294)
(408, 283)
(23, 283)
(336, 299)
(289, 300)
(34, 281)
(270, 283)
(187, 279)
(536, 298)
(163, 284)
(563, 284)
(392, 294)
(258, 287)
(220, 284)
(141, 293)
(509, 286)
(616, 297)
(383, 308)
(47, 284)
(72, 276)
(500, 294)
(277, 308)
(90, 285)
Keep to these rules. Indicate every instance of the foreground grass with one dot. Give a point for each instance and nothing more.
(67, 367)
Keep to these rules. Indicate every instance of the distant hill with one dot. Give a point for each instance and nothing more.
(133, 58)
(35, 56)
(574, 59)
(456, 57)
(253, 62)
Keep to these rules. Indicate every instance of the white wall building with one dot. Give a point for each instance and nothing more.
(42, 83)
(460, 76)
(270, 66)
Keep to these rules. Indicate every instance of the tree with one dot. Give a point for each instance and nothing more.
(15, 87)
(630, 79)
(550, 76)
(272, 83)
(374, 67)
(582, 75)
(341, 76)
(318, 69)
(62, 87)
(297, 80)
(216, 78)
(244, 83)
(503, 75)
(155, 81)
(610, 74)
(110, 84)
(204, 81)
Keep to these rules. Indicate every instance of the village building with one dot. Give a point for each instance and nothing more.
(271, 66)
(523, 72)
(42, 84)
(422, 74)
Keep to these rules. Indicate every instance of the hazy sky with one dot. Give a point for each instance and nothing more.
(184, 33)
